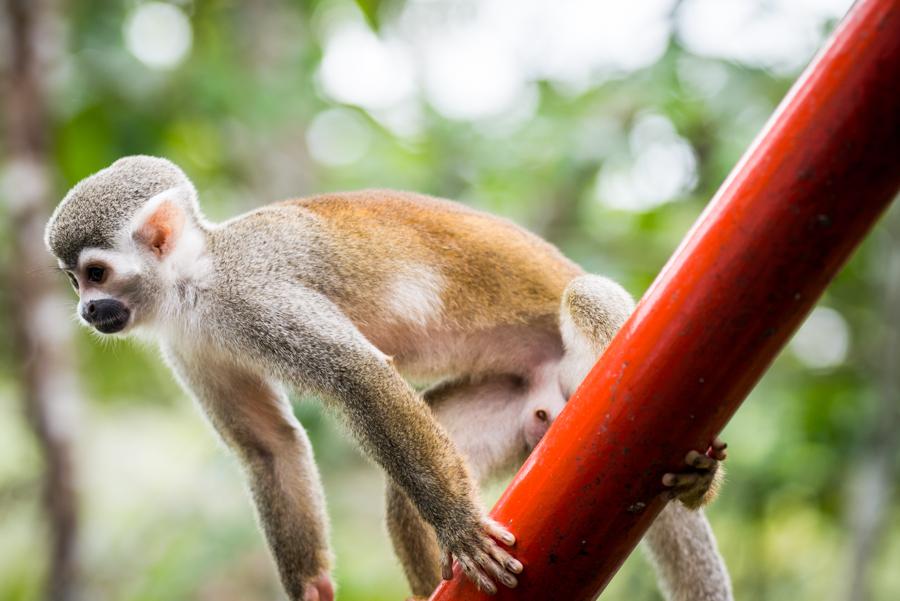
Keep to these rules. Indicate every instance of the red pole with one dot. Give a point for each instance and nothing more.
(792, 211)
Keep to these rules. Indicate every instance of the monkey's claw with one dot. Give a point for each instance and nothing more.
(699, 484)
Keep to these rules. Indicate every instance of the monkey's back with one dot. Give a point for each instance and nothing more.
(441, 287)
(486, 269)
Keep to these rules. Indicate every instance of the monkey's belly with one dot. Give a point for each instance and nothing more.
(431, 354)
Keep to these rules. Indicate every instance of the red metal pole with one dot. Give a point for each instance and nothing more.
(792, 211)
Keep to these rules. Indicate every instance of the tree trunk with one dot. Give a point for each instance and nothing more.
(42, 335)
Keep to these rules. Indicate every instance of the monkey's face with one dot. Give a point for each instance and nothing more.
(111, 290)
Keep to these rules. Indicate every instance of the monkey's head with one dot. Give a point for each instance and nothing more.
(125, 237)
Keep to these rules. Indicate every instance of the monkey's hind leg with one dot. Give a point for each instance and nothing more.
(593, 309)
(680, 542)
(414, 543)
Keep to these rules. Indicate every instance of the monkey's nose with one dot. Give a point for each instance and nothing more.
(107, 315)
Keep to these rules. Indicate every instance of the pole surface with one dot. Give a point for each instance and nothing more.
(789, 215)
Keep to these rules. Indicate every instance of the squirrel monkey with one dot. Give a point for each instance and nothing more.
(339, 295)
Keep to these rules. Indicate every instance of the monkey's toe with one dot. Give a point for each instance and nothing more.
(718, 449)
(681, 480)
(700, 461)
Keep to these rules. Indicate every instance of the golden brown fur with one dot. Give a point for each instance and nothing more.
(496, 272)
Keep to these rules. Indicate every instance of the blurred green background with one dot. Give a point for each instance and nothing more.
(604, 126)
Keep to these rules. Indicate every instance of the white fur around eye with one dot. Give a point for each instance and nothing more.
(122, 264)
(414, 295)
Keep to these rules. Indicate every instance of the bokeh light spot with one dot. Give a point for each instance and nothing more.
(662, 167)
(338, 137)
(823, 340)
(360, 68)
(158, 34)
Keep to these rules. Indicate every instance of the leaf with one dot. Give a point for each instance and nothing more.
(371, 9)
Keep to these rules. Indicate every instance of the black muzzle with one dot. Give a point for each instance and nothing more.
(106, 315)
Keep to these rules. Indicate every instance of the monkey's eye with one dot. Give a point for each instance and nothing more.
(95, 274)
(541, 415)
(72, 280)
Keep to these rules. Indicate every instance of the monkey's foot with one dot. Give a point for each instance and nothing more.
(700, 484)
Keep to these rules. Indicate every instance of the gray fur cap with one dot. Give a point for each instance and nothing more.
(97, 208)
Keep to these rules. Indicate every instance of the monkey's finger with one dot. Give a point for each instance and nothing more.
(311, 594)
(699, 460)
(499, 532)
(474, 573)
(504, 558)
(680, 480)
(506, 537)
(447, 565)
(496, 569)
(506, 562)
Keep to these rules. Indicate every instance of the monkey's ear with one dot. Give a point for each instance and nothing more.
(159, 227)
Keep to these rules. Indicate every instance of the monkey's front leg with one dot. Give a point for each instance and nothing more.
(255, 419)
(307, 341)
(396, 428)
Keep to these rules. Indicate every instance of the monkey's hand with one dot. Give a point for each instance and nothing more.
(320, 589)
(481, 559)
(700, 483)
